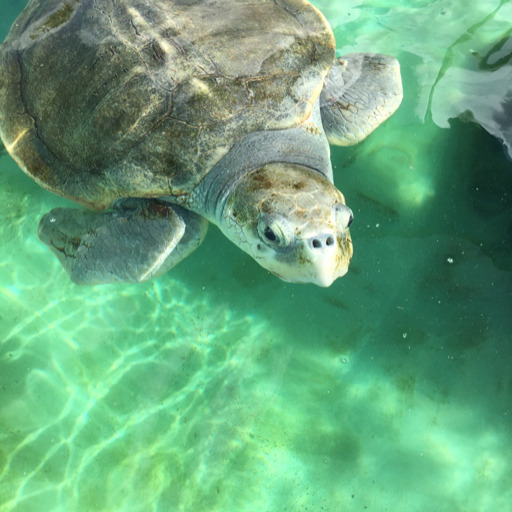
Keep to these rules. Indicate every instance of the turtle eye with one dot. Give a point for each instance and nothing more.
(270, 235)
(344, 216)
(274, 231)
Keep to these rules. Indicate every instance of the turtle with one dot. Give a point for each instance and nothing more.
(158, 117)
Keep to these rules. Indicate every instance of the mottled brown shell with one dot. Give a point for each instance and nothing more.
(102, 99)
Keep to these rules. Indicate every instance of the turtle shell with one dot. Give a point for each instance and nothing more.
(140, 98)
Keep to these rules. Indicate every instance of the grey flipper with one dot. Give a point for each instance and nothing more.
(138, 240)
(360, 92)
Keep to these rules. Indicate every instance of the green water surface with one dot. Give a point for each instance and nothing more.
(219, 388)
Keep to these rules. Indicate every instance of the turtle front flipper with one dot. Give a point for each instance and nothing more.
(137, 240)
(360, 92)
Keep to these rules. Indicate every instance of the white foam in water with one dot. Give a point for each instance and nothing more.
(220, 388)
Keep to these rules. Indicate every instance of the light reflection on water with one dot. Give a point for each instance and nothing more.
(219, 388)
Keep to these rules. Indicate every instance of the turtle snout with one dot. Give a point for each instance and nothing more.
(321, 242)
(322, 252)
(329, 251)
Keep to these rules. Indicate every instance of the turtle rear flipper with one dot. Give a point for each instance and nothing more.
(360, 92)
(138, 240)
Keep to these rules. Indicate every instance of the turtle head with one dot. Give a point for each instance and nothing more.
(292, 221)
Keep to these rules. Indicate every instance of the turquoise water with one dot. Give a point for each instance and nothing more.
(220, 388)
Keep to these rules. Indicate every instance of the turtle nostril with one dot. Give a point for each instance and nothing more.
(322, 241)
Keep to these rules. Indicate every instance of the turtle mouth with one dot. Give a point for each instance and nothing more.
(323, 277)
(280, 276)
